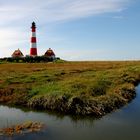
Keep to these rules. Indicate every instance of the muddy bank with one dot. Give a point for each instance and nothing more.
(26, 127)
(80, 105)
(96, 107)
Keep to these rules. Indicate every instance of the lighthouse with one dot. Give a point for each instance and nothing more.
(33, 49)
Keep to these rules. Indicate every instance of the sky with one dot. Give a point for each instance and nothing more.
(75, 29)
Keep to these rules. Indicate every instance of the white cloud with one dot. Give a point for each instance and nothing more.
(53, 10)
(16, 14)
(11, 38)
(118, 17)
(8, 35)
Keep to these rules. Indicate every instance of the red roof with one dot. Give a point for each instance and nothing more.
(17, 53)
(49, 52)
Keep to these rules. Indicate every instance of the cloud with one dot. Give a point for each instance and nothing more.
(8, 35)
(15, 15)
(118, 17)
(57, 10)
(11, 38)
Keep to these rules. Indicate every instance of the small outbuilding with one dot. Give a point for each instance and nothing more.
(17, 53)
(50, 54)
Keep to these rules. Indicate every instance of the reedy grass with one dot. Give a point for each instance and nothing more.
(102, 82)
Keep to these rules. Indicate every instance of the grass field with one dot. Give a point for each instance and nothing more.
(87, 88)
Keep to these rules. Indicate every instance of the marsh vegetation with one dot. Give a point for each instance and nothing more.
(83, 88)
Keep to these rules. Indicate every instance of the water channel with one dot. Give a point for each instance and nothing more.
(120, 125)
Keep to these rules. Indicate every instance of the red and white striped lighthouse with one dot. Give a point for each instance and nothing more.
(33, 49)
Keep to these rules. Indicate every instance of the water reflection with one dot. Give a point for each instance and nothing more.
(122, 124)
(12, 115)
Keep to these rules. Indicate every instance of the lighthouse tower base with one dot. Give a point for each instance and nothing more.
(33, 52)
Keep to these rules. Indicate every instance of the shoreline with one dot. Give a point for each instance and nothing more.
(75, 106)
(71, 88)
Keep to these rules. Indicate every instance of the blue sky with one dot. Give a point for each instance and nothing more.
(74, 29)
